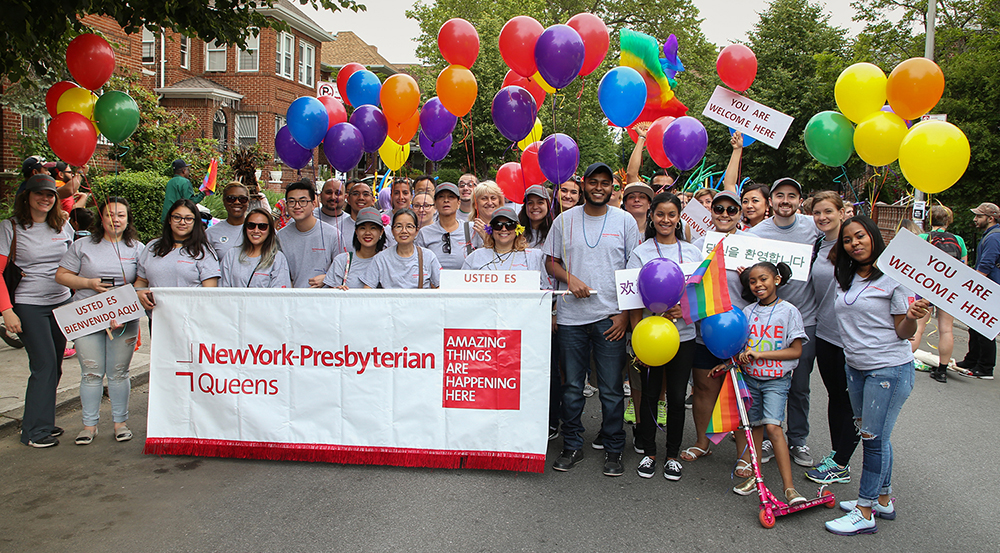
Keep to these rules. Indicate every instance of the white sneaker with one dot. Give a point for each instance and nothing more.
(766, 451)
(852, 524)
(888, 512)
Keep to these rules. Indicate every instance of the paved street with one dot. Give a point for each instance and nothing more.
(110, 497)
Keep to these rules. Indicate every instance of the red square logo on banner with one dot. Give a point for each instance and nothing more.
(482, 369)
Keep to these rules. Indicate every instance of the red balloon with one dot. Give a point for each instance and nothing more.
(517, 44)
(459, 42)
(654, 141)
(511, 181)
(90, 60)
(595, 37)
(737, 66)
(52, 96)
(342, 77)
(72, 137)
(530, 169)
(537, 92)
(335, 110)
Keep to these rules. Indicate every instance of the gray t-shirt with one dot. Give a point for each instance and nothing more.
(224, 236)
(105, 259)
(237, 273)
(773, 328)
(824, 288)
(733, 284)
(39, 251)
(177, 269)
(340, 275)
(344, 225)
(432, 238)
(390, 270)
(309, 253)
(592, 249)
(486, 259)
(802, 231)
(681, 252)
(867, 328)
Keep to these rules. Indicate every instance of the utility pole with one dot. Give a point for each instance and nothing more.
(918, 195)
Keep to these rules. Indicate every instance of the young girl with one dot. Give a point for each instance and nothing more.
(257, 262)
(403, 265)
(369, 239)
(773, 350)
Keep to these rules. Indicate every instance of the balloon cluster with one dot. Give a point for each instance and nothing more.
(933, 155)
(79, 115)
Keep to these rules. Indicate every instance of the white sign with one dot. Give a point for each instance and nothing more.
(627, 285)
(493, 280)
(698, 218)
(744, 250)
(95, 313)
(325, 88)
(948, 283)
(393, 377)
(750, 118)
(934, 117)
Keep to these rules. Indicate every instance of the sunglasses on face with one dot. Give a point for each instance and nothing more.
(259, 226)
(731, 210)
(504, 225)
(237, 199)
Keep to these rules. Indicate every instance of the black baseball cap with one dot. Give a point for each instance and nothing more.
(598, 167)
(178, 164)
(32, 163)
(39, 183)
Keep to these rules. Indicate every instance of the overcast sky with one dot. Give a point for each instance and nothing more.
(385, 24)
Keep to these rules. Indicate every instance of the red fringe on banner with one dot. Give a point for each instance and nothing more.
(352, 455)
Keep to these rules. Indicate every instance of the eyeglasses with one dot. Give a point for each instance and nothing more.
(466, 184)
(731, 210)
(237, 199)
(292, 202)
(258, 226)
(356, 193)
(504, 225)
(406, 226)
(179, 219)
(446, 243)
(422, 206)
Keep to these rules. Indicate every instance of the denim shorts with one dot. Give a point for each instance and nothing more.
(769, 398)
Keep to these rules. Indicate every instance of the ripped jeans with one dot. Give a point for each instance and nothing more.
(101, 356)
(877, 396)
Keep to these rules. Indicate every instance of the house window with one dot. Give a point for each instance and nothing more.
(215, 58)
(246, 130)
(307, 63)
(148, 46)
(185, 52)
(248, 58)
(34, 123)
(219, 131)
(283, 60)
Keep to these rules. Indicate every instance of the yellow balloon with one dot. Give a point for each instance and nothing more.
(877, 138)
(860, 91)
(79, 100)
(655, 341)
(537, 77)
(394, 155)
(934, 155)
(534, 136)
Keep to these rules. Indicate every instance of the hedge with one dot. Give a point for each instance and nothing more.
(144, 192)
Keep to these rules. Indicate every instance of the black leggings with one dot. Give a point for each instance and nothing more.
(45, 344)
(844, 435)
(676, 372)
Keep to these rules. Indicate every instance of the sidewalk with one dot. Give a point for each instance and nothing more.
(14, 379)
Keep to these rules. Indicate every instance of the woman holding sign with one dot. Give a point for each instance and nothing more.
(93, 266)
(506, 249)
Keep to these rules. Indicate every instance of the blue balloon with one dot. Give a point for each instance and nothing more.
(363, 88)
(622, 95)
(307, 121)
(747, 139)
(725, 334)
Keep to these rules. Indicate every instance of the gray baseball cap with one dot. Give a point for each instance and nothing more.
(39, 183)
(368, 215)
(504, 212)
(537, 190)
(447, 187)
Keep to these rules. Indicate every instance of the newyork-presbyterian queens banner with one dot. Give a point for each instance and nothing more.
(392, 377)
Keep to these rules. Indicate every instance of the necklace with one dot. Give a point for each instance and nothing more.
(680, 253)
(583, 224)
(869, 283)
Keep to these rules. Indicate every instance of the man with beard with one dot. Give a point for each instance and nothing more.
(359, 196)
(332, 200)
(788, 225)
(982, 355)
(585, 246)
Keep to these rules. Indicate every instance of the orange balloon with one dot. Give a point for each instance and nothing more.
(401, 133)
(914, 87)
(400, 97)
(457, 89)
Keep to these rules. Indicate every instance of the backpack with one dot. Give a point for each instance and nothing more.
(946, 242)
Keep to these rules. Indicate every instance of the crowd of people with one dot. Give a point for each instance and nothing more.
(847, 318)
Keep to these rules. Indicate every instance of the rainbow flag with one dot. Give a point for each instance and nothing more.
(642, 53)
(726, 414)
(208, 185)
(706, 292)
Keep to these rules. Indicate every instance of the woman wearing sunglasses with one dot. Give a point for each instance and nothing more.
(403, 265)
(505, 249)
(369, 239)
(228, 234)
(258, 262)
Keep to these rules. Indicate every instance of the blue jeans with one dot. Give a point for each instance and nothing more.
(99, 357)
(876, 398)
(768, 398)
(576, 344)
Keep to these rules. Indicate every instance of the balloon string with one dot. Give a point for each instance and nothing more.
(466, 134)
(472, 139)
(579, 107)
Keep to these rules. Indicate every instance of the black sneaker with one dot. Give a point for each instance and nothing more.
(967, 365)
(978, 373)
(56, 432)
(613, 465)
(598, 442)
(940, 373)
(567, 460)
(689, 402)
(553, 433)
(647, 467)
(48, 441)
(672, 470)
(638, 446)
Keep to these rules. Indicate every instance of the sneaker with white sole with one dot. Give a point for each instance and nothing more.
(638, 446)
(793, 497)
(800, 454)
(852, 524)
(589, 391)
(672, 470)
(829, 472)
(661, 413)
(888, 512)
(766, 451)
(598, 442)
(647, 467)
(629, 411)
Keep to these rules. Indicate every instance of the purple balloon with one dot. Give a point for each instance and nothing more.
(434, 151)
(559, 54)
(344, 146)
(436, 121)
(888, 108)
(558, 157)
(373, 126)
(307, 121)
(685, 142)
(661, 284)
(514, 112)
(289, 151)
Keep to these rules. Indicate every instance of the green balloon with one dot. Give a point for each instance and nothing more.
(829, 138)
(117, 115)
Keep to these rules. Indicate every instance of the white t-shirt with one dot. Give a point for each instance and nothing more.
(390, 270)
(177, 269)
(773, 328)
(432, 238)
(867, 328)
(105, 259)
(824, 288)
(224, 236)
(486, 259)
(340, 275)
(39, 251)
(681, 252)
(802, 231)
(237, 273)
(309, 253)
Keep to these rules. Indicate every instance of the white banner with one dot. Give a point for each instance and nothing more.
(744, 250)
(491, 280)
(698, 218)
(948, 283)
(95, 313)
(750, 118)
(627, 285)
(394, 377)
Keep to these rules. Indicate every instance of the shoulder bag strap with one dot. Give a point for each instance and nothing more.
(347, 270)
(468, 239)
(13, 242)
(420, 267)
